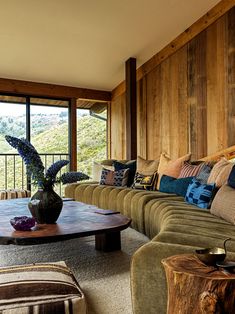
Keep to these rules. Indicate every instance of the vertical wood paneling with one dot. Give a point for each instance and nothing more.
(153, 126)
(197, 99)
(118, 123)
(142, 118)
(187, 102)
(231, 77)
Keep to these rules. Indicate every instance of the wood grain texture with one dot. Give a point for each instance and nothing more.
(76, 220)
(231, 75)
(196, 288)
(197, 93)
(216, 86)
(51, 90)
(118, 128)
(187, 102)
(209, 18)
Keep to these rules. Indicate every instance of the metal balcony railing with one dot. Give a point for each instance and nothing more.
(13, 171)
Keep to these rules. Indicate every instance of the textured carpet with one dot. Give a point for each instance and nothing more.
(104, 277)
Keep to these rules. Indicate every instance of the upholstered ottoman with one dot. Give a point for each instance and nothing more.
(46, 288)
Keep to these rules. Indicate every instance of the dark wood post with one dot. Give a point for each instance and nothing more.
(73, 134)
(131, 119)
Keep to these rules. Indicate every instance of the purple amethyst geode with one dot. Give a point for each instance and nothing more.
(22, 223)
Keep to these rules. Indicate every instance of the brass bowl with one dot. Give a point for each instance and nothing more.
(211, 256)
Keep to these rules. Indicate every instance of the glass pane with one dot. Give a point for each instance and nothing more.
(49, 129)
(49, 135)
(91, 139)
(12, 122)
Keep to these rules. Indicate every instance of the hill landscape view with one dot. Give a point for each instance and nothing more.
(49, 135)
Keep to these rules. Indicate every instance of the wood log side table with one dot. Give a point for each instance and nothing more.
(196, 288)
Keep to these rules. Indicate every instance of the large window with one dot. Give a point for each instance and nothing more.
(42, 121)
(45, 123)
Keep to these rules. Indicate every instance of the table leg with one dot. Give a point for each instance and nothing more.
(108, 241)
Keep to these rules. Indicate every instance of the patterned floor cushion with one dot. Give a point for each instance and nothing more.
(14, 193)
(40, 288)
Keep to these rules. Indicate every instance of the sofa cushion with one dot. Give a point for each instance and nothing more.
(170, 167)
(97, 170)
(131, 165)
(223, 204)
(220, 172)
(145, 182)
(175, 186)
(204, 173)
(189, 170)
(146, 167)
(231, 178)
(199, 194)
(40, 288)
(116, 178)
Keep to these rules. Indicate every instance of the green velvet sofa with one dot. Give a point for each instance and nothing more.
(173, 227)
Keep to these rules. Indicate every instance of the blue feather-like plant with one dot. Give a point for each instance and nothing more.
(35, 168)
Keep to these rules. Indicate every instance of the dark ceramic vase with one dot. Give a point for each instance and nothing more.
(45, 206)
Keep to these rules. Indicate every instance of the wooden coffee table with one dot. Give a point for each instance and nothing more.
(76, 220)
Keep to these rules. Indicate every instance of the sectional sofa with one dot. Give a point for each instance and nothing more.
(173, 227)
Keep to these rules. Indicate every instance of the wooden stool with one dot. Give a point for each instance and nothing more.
(196, 288)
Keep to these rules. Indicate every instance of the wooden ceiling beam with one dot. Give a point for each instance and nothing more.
(51, 90)
(210, 17)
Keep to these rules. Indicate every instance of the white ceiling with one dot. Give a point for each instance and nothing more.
(85, 43)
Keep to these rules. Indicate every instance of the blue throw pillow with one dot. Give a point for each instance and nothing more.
(231, 178)
(131, 165)
(200, 194)
(175, 186)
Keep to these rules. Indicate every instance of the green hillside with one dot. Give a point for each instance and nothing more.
(91, 142)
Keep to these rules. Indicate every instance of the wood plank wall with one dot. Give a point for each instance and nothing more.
(187, 102)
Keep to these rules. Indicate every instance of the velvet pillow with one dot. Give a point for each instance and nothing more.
(145, 182)
(146, 167)
(223, 204)
(220, 172)
(131, 165)
(175, 186)
(115, 178)
(231, 178)
(200, 194)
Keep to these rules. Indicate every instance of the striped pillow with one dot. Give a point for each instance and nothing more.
(189, 170)
(40, 288)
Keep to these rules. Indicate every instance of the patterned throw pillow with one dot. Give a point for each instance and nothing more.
(131, 165)
(145, 182)
(175, 186)
(189, 170)
(115, 178)
(200, 194)
(204, 173)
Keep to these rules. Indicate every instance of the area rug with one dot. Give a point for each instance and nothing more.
(104, 277)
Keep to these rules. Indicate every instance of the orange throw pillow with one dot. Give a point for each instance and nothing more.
(170, 167)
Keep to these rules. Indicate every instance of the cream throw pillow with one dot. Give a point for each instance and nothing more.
(223, 204)
(146, 167)
(97, 170)
(220, 172)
